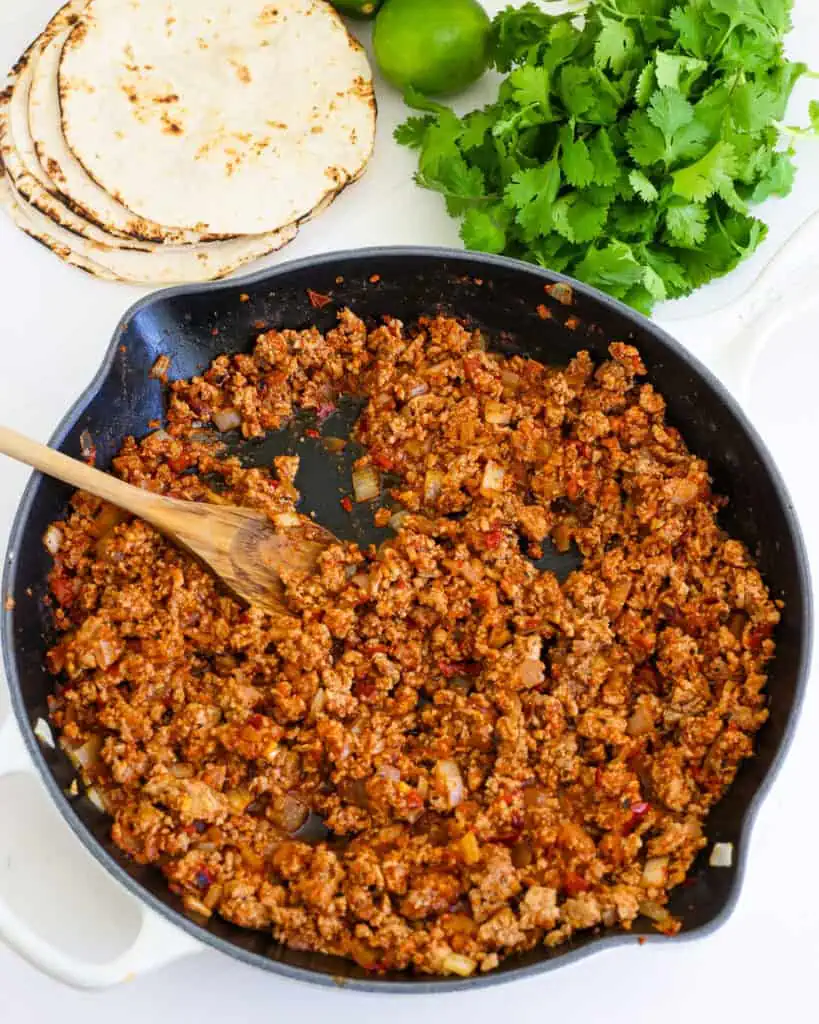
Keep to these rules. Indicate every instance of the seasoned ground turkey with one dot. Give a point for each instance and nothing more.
(500, 759)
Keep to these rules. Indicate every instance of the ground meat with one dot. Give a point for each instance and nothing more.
(494, 755)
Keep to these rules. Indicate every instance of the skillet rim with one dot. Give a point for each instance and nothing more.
(413, 984)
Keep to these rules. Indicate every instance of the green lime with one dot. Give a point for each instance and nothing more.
(435, 46)
(357, 8)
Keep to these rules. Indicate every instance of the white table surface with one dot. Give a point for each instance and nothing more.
(56, 323)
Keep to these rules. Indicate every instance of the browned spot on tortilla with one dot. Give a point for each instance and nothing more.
(353, 136)
(317, 129)
(361, 87)
(54, 171)
(242, 72)
(269, 14)
(79, 32)
(170, 21)
(277, 124)
(171, 127)
(202, 43)
(170, 98)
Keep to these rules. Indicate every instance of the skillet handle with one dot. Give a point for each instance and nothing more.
(157, 943)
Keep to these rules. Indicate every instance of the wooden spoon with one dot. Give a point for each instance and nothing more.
(244, 548)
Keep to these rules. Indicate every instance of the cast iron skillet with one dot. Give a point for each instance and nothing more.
(192, 325)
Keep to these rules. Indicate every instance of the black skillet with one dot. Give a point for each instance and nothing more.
(500, 296)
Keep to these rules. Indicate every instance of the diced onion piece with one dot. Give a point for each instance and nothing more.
(239, 800)
(531, 672)
(722, 855)
(418, 389)
(96, 798)
(389, 771)
(227, 419)
(658, 913)
(335, 444)
(318, 702)
(182, 771)
(561, 291)
(105, 653)
(492, 481)
(433, 483)
(366, 483)
(160, 368)
(398, 519)
(53, 539)
(214, 894)
(87, 447)
(293, 814)
(449, 782)
(654, 871)
(510, 380)
(470, 850)
(87, 754)
(42, 730)
(195, 906)
(640, 722)
(498, 414)
(285, 520)
(455, 963)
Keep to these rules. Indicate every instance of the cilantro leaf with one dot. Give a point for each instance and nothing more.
(412, 132)
(676, 71)
(531, 86)
(686, 224)
(614, 44)
(575, 160)
(622, 147)
(646, 84)
(643, 186)
(484, 230)
(576, 90)
(603, 157)
(614, 268)
(700, 180)
(577, 218)
(531, 194)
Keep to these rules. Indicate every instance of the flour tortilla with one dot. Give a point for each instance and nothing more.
(164, 265)
(17, 152)
(15, 211)
(68, 175)
(222, 116)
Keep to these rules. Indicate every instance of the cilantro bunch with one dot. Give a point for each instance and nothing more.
(626, 146)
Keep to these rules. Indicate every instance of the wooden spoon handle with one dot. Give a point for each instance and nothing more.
(78, 474)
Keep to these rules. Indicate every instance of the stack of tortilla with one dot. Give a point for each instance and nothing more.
(163, 141)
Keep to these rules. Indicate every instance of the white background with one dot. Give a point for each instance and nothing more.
(55, 324)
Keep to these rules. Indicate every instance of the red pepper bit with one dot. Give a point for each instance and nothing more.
(382, 461)
(574, 883)
(347, 504)
(317, 299)
(492, 539)
(414, 800)
(638, 811)
(312, 432)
